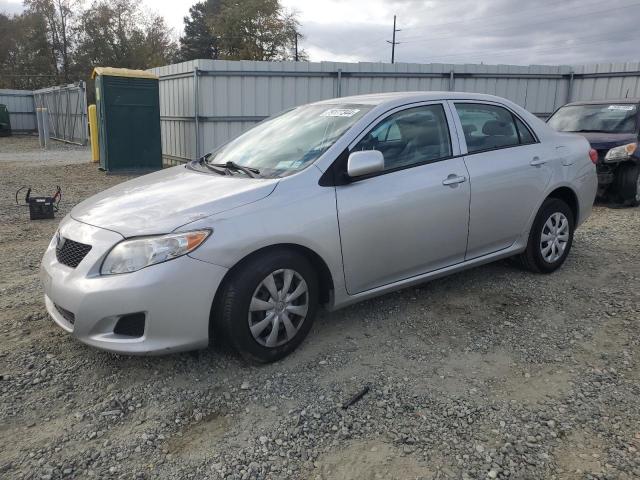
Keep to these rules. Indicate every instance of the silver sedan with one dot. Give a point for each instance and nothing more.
(325, 204)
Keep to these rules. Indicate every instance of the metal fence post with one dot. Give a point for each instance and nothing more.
(451, 81)
(570, 88)
(45, 126)
(339, 86)
(196, 108)
(84, 107)
(40, 126)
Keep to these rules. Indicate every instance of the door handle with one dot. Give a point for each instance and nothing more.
(453, 180)
(537, 161)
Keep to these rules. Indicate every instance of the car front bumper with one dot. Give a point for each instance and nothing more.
(175, 297)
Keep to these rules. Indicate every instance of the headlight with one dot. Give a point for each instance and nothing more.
(620, 153)
(137, 253)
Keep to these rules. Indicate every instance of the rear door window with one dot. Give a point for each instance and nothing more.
(526, 137)
(487, 127)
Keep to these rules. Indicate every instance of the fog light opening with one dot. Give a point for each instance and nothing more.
(131, 325)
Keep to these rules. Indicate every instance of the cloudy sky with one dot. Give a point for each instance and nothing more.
(455, 31)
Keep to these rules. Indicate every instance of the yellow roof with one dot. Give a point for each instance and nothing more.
(122, 72)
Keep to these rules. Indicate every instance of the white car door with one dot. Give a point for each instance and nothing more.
(508, 170)
(412, 217)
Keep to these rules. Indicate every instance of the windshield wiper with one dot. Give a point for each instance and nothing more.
(252, 172)
(203, 161)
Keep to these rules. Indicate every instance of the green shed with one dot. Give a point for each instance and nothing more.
(5, 121)
(128, 104)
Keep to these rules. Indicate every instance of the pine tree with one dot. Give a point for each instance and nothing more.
(199, 40)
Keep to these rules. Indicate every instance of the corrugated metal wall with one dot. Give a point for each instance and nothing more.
(205, 103)
(67, 106)
(606, 81)
(177, 110)
(22, 112)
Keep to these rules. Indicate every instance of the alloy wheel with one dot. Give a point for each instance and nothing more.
(554, 238)
(278, 308)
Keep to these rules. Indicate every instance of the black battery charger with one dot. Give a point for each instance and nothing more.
(41, 208)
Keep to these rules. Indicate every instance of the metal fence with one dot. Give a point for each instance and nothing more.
(22, 112)
(205, 103)
(67, 106)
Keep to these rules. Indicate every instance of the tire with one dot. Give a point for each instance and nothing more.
(249, 285)
(627, 184)
(541, 256)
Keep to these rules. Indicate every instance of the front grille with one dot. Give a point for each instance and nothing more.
(66, 314)
(71, 253)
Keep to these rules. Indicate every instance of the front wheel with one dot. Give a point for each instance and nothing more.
(627, 184)
(550, 238)
(267, 306)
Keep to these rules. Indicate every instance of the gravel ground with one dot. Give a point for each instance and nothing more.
(490, 373)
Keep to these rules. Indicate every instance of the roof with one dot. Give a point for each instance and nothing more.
(380, 98)
(607, 101)
(122, 72)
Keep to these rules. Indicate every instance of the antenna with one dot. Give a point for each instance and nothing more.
(393, 40)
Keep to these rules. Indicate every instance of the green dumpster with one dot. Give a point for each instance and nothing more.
(128, 105)
(5, 122)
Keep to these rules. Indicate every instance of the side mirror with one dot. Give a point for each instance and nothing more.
(365, 162)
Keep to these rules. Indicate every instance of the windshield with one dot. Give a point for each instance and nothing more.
(285, 144)
(607, 118)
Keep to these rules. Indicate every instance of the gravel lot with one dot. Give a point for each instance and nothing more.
(490, 373)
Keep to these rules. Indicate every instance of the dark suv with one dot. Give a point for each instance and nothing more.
(612, 127)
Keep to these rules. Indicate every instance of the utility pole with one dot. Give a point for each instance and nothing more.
(393, 41)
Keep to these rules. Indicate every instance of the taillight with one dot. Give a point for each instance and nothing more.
(593, 155)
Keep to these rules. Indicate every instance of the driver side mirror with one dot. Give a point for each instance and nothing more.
(365, 162)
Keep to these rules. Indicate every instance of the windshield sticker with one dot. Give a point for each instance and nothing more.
(340, 112)
(626, 108)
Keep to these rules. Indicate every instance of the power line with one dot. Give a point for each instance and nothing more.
(482, 19)
(557, 44)
(561, 48)
(393, 41)
(422, 39)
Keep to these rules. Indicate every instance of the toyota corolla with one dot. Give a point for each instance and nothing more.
(325, 204)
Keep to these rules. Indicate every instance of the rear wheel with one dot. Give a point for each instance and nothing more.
(627, 184)
(550, 238)
(268, 305)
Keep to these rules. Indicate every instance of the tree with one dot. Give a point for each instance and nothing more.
(25, 60)
(59, 21)
(118, 34)
(159, 47)
(199, 40)
(240, 30)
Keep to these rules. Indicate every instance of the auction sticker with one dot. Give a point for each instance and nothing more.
(626, 108)
(340, 112)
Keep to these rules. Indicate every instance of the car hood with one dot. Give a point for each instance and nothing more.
(165, 200)
(605, 141)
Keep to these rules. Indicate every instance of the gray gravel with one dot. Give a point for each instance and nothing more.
(491, 373)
